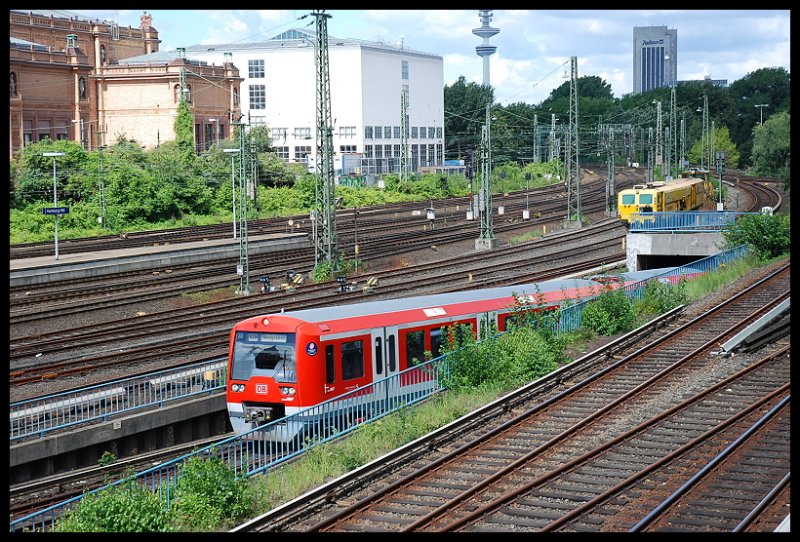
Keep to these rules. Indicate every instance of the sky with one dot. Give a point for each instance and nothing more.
(534, 47)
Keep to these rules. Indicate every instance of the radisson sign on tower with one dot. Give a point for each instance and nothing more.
(655, 57)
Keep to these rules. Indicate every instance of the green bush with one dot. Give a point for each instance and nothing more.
(768, 235)
(659, 298)
(207, 493)
(611, 312)
(126, 508)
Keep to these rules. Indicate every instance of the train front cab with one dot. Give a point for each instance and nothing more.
(638, 199)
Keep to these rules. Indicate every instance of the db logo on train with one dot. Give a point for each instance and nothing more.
(261, 389)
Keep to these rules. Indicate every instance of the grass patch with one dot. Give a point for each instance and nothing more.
(207, 296)
(525, 237)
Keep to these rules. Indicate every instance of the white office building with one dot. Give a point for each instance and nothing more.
(655, 58)
(366, 82)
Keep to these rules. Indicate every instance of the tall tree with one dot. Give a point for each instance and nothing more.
(464, 114)
(184, 131)
(772, 146)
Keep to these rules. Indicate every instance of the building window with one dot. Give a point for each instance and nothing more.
(367, 132)
(282, 152)
(438, 132)
(255, 69)
(387, 131)
(258, 97)
(258, 120)
(422, 132)
(102, 54)
(187, 93)
(347, 149)
(397, 132)
(404, 68)
(431, 132)
(397, 151)
(278, 134)
(300, 153)
(12, 89)
(302, 133)
(235, 97)
(413, 132)
(367, 151)
(347, 131)
(82, 88)
(378, 132)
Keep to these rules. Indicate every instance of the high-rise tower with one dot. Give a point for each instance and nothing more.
(655, 57)
(485, 50)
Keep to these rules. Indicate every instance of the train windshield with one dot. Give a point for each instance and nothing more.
(645, 199)
(628, 199)
(264, 354)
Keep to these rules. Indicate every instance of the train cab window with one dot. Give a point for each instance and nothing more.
(264, 354)
(390, 351)
(628, 199)
(415, 347)
(352, 360)
(378, 356)
(645, 199)
(330, 375)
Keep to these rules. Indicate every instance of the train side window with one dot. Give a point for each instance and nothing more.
(330, 376)
(436, 342)
(352, 360)
(391, 349)
(415, 347)
(628, 199)
(378, 356)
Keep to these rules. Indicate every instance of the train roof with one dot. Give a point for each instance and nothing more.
(678, 182)
(324, 314)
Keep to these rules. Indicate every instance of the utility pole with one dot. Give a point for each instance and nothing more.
(659, 140)
(486, 239)
(101, 182)
(683, 139)
(553, 153)
(761, 107)
(404, 137)
(704, 161)
(611, 189)
(673, 121)
(243, 269)
(573, 167)
(535, 134)
(325, 213)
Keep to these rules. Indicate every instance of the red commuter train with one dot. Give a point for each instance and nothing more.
(279, 364)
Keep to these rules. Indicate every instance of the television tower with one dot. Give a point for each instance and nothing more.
(485, 50)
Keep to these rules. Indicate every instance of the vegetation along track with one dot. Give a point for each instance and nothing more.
(170, 338)
(598, 456)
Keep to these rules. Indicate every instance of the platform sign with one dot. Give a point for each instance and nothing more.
(55, 210)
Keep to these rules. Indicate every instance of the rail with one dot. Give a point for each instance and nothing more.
(262, 448)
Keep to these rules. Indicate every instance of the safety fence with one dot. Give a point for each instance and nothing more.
(264, 447)
(685, 220)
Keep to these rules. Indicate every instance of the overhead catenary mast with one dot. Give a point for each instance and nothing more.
(324, 190)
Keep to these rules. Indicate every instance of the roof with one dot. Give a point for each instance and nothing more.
(61, 14)
(25, 44)
(299, 38)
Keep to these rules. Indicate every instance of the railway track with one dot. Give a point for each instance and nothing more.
(585, 458)
(378, 238)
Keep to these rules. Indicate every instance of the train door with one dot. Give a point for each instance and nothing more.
(385, 364)
(385, 360)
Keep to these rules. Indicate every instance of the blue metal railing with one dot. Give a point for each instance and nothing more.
(262, 448)
(42, 415)
(685, 220)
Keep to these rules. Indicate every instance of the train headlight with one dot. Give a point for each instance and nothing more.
(286, 390)
(237, 387)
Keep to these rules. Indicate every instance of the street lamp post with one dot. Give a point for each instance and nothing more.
(761, 107)
(233, 188)
(55, 194)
